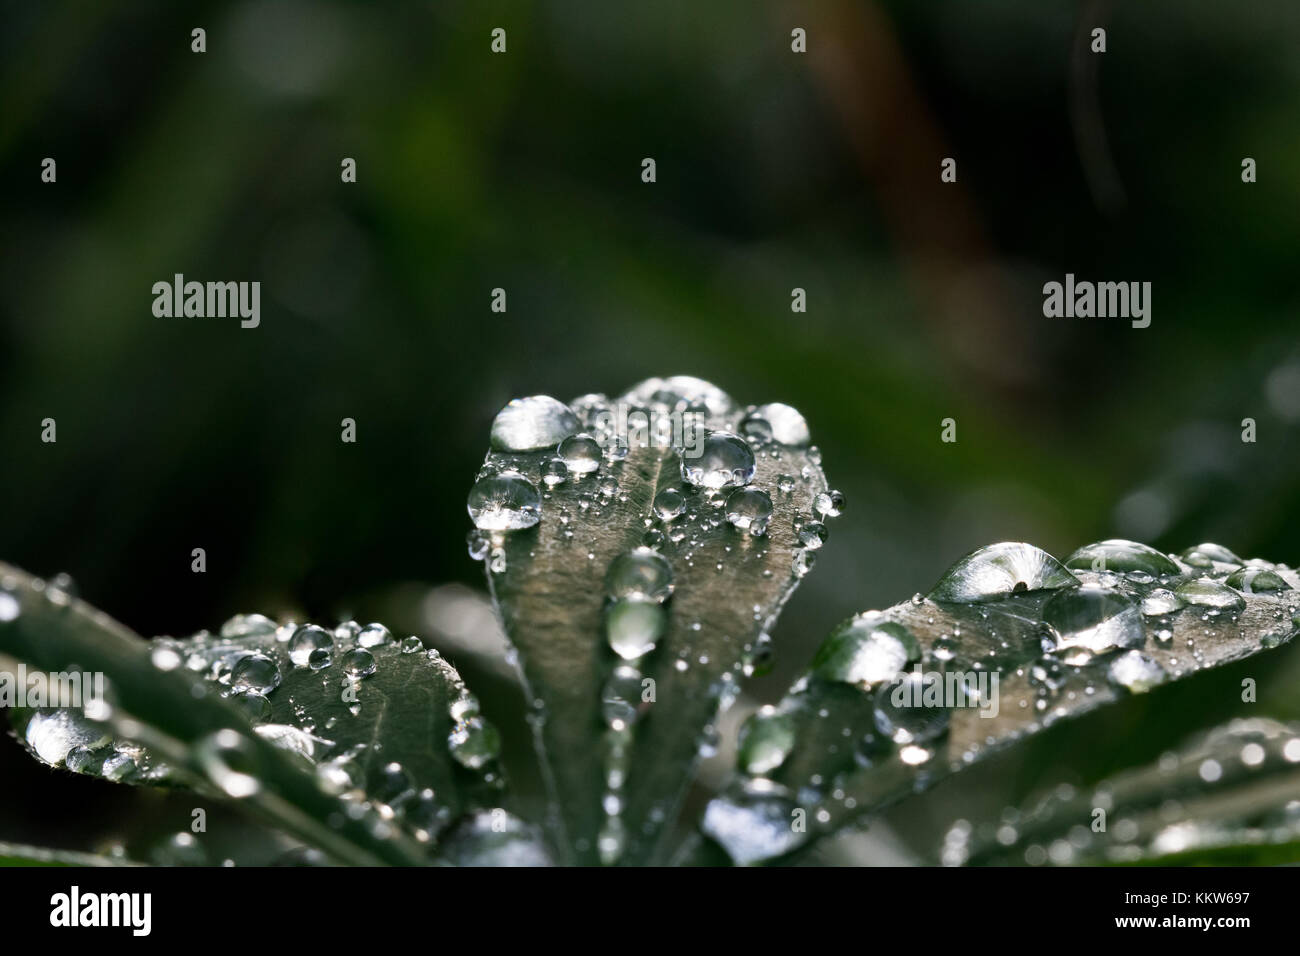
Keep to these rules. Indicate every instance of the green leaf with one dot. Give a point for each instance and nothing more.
(16, 854)
(586, 521)
(1228, 791)
(364, 751)
(898, 699)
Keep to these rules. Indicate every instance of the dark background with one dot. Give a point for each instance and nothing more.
(522, 171)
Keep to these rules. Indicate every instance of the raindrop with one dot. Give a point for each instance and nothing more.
(529, 424)
(474, 743)
(828, 504)
(256, 673)
(358, 663)
(1256, 581)
(504, 502)
(904, 712)
(307, 639)
(641, 574)
(1119, 555)
(632, 628)
(1206, 593)
(374, 635)
(997, 571)
(669, 504)
(749, 509)
(766, 739)
(1136, 672)
(865, 650)
(724, 461)
(1094, 619)
(621, 697)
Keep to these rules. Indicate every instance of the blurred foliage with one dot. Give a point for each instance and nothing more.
(522, 171)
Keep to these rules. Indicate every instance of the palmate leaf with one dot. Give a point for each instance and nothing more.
(588, 517)
(365, 749)
(1233, 788)
(859, 730)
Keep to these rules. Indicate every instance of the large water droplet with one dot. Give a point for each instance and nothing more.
(766, 739)
(1119, 555)
(621, 697)
(256, 673)
(754, 822)
(580, 454)
(504, 502)
(669, 504)
(474, 743)
(724, 461)
(678, 393)
(307, 639)
(632, 628)
(1206, 593)
(865, 650)
(749, 510)
(910, 711)
(528, 424)
(785, 424)
(1095, 619)
(1256, 581)
(641, 574)
(997, 571)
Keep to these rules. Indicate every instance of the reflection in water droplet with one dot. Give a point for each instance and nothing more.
(474, 743)
(1206, 593)
(230, 763)
(621, 697)
(1161, 601)
(307, 639)
(257, 673)
(669, 504)
(865, 650)
(724, 461)
(754, 822)
(909, 710)
(1119, 555)
(358, 663)
(1094, 619)
(1256, 581)
(766, 739)
(580, 454)
(1136, 672)
(997, 571)
(504, 502)
(641, 574)
(632, 628)
(749, 509)
(529, 424)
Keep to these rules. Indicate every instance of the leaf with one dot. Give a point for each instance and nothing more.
(586, 522)
(414, 752)
(16, 854)
(1234, 787)
(859, 732)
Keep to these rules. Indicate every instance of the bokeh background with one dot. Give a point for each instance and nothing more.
(775, 170)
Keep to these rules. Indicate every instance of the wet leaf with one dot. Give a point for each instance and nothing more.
(637, 557)
(363, 749)
(16, 854)
(1234, 787)
(1007, 643)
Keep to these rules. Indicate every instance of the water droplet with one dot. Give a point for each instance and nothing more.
(749, 509)
(997, 571)
(529, 424)
(669, 504)
(1206, 593)
(306, 639)
(828, 504)
(358, 663)
(580, 454)
(785, 424)
(803, 562)
(1094, 619)
(504, 502)
(474, 743)
(766, 739)
(813, 534)
(754, 822)
(1207, 555)
(1119, 555)
(230, 762)
(1136, 672)
(554, 472)
(1256, 581)
(906, 713)
(374, 635)
(641, 574)
(248, 625)
(412, 645)
(678, 393)
(785, 484)
(1161, 601)
(621, 697)
(724, 461)
(256, 673)
(865, 650)
(632, 628)
(320, 659)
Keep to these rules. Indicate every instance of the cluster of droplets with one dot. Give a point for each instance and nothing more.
(1146, 812)
(1057, 634)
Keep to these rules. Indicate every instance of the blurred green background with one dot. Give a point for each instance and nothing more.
(775, 170)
